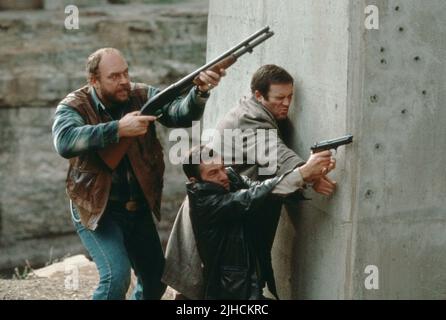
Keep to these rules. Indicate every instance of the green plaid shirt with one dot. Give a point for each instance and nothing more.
(72, 136)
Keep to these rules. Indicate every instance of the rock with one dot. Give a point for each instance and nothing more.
(41, 62)
(20, 4)
(38, 252)
(75, 278)
(68, 263)
(61, 4)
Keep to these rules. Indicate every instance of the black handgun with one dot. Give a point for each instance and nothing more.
(332, 144)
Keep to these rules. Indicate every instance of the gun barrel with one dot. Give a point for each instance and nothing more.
(232, 50)
(186, 83)
(249, 47)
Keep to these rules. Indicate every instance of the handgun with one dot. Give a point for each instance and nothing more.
(332, 144)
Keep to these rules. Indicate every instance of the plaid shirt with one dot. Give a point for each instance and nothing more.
(72, 136)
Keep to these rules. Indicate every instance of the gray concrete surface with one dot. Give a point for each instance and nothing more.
(387, 88)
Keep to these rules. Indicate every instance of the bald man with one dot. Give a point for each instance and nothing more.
(111, 208)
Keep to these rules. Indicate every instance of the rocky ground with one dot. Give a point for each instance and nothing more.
(58, 282)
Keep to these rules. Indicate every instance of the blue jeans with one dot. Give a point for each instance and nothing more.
(124, 240)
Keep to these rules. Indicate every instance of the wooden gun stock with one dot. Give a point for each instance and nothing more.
(224, 64)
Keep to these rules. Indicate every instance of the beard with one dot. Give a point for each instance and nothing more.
(118, 98)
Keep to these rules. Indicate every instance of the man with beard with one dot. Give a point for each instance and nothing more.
(112, 208)
(272, 89)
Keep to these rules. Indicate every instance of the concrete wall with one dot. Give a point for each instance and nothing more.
(400, 202)
(388, 210)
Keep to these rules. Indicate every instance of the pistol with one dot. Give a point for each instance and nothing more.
(332, 144)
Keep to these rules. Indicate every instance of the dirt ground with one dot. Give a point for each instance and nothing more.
(57, 286)
(53, 288)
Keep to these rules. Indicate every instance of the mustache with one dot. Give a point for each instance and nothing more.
(125, 88)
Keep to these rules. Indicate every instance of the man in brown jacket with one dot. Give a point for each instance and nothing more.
(112, 208)
(266, 109)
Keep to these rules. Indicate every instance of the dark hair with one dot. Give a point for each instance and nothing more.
(267, 75)
(191, 163)
(92, 63)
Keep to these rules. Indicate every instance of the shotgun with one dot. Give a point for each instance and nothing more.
(113, 153)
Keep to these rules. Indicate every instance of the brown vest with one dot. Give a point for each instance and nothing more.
(89, 179)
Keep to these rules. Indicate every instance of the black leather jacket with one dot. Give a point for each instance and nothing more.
(221, 225)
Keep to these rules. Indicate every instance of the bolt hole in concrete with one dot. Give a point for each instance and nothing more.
(369, 193)
(397, 8)
(374, 98)
(383, 61)
(377, 146)
(424, 92)
(382, 49)
(417, 58)
(401, 29)
(404, 111)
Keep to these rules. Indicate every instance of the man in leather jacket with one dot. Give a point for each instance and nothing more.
(265, 110)
(223, 207)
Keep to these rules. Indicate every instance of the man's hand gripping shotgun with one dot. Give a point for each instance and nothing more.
(113, 153)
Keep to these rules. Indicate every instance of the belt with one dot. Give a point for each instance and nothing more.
(131, 205)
